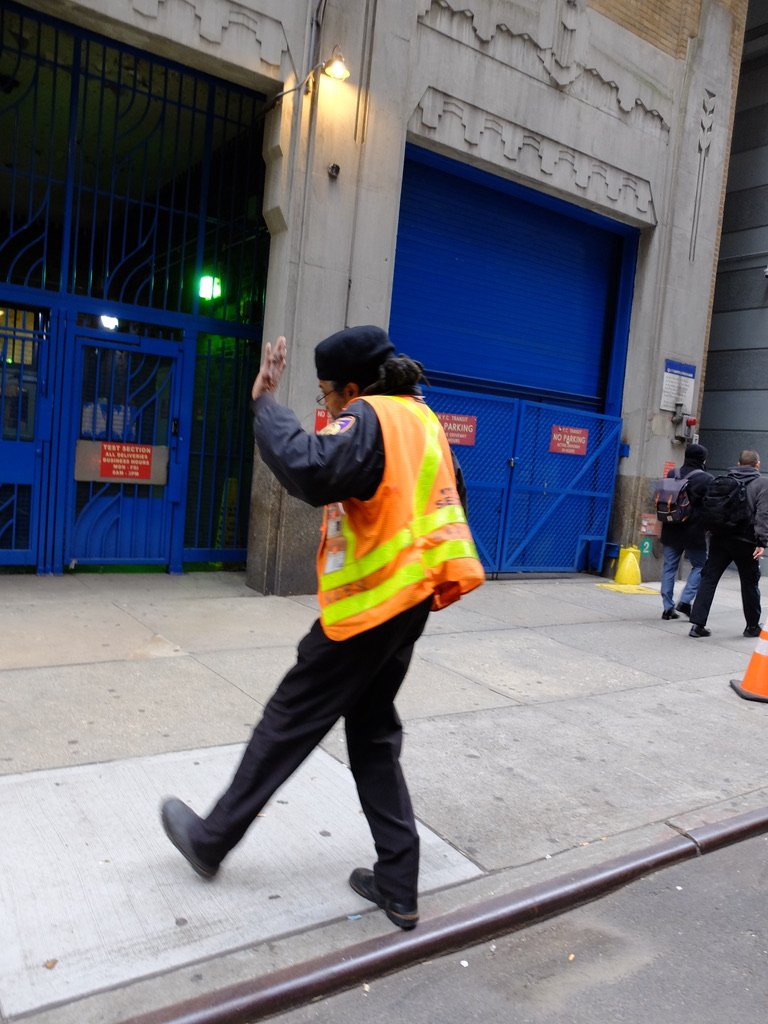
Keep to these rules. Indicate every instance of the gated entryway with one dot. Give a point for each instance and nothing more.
(124, 427)
(518, 306)
(540, 479)
(133, 261)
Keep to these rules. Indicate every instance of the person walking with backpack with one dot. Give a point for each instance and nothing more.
(735, 510)
(687, 537)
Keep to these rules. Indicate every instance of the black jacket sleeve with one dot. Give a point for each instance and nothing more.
(692, 533)
(461, 485)
(758, 493)
(697, 486)
(321, 468)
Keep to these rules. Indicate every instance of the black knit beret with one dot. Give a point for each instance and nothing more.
(354, 354)
(696, 453)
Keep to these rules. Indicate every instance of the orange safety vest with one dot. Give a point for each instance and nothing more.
(411, 539)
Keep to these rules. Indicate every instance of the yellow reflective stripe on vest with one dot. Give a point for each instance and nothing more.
(376, 559)
(349, 606)
(350, 537)
(425, 525)
(386, 552)
(449, 549)
(430, 463)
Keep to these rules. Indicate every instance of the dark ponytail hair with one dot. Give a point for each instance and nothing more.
(399, 375)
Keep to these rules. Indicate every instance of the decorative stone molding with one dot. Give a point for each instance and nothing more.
(539, 160)
(557, 34)
(216, 16)
(705, 139)
(567, 38)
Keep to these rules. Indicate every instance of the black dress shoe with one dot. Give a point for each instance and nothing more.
(684, 608)
(752, 631)
(699, 631)
(177, 819)
(404, 915)
(670, 613)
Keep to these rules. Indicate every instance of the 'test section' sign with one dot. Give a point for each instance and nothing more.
(125, 461)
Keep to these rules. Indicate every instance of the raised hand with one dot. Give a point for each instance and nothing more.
(271, 370)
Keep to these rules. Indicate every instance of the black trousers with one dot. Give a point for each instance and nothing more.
(722, 551)
(357, 679)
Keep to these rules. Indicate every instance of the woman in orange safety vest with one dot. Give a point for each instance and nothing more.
(395, 545)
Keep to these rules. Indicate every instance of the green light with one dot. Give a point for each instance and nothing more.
(210, 287)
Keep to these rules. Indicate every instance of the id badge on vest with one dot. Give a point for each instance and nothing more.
(335, 541)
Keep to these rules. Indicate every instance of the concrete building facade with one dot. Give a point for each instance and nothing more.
(621, 110)
(735, 412)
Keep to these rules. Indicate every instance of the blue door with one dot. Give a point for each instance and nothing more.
(25, 428)
(119, 463)
(561, 485)
(518, 304)
(540, 479)
(507, 291)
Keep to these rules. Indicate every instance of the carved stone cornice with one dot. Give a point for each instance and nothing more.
(532, 157)
(216, 16)
(560, 48)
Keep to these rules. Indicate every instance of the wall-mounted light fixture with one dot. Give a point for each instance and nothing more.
(334, 67)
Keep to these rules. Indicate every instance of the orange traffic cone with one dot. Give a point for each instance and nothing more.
(754, 685)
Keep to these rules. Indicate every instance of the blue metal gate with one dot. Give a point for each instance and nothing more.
(133, 260)
(123, 498)
(25, 429)
(540, 479)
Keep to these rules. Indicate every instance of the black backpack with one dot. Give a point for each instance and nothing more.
(724, 505)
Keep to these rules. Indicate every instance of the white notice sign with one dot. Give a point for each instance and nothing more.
(677, 389)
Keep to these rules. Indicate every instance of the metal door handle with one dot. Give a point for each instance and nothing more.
(175, 427)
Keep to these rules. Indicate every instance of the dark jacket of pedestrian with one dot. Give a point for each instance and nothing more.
(757, 501)
(743, 547)
(691, 533)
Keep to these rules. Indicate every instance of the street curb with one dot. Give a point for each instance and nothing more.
(327, 975)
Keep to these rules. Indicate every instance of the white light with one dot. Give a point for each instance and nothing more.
(109, 322)
(336, 68)
(210, 287)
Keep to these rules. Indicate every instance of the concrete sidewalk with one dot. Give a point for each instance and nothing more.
(551, 725)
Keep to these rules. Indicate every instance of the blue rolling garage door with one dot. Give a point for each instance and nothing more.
(505, 294)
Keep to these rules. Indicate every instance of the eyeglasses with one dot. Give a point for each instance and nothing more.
(322, 396)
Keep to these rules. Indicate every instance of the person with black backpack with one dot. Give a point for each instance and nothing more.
(684, 533)
(735, 511)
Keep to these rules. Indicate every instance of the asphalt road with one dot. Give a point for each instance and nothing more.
(687, 945)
